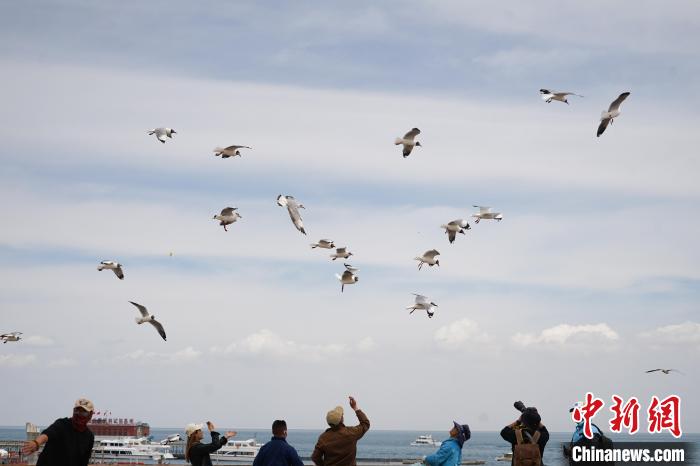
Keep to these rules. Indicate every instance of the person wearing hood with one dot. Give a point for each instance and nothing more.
(529, 427)
(337, 446)
(450, 451)
(68, 441)
(197, 452)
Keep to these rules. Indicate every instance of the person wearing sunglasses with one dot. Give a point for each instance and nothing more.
(66, 442)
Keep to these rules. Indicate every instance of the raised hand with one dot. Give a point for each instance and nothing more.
(210, 426)
(230, 433)
(353, 403)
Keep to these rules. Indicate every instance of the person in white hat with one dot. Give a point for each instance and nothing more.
(197, 452)
(68, 440)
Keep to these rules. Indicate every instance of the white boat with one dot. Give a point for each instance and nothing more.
(237, 451)
(425, 441)
(129, 449)
(505, 457)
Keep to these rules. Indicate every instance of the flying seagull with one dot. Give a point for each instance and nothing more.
(114, 266)
(324, 244)
(612, 113)
(151, 319)
(454, 227)
(349, 276)
(423, 303)
(162, 133)
(408, 141)
(548, 96)
(293, 208)
(487, 214)
(665, 371)
(12, 336)
(227, 216)
(230, 151)
(341, 253)
(428, 257)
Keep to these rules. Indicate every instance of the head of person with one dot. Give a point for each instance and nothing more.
(194, 435)
(461, 432)
(334, 417)
(531, 418)
(279, 428)
(82, 413)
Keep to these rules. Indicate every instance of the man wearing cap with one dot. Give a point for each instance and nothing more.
(68, 441)
(450, 451)
(337, 446)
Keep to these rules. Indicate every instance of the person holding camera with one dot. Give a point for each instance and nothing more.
(527, 436)
(197, 452)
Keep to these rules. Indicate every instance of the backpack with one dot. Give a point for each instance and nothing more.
(526, 454)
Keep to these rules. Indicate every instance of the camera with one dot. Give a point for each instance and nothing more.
(520, 406)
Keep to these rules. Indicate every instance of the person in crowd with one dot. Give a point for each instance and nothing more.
(197, 452)
(66, 442)
(450, 451)
(337, 446)
(277, 452)
(527, 429)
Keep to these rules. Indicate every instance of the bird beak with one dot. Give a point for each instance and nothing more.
(301, 206)
(174, 132)
(437, 263)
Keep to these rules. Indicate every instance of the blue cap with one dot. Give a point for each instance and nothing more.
(463, 432)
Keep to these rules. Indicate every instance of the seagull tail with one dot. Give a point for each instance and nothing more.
(314, 245)
(398, 141)
(338, 277)
(138, 320)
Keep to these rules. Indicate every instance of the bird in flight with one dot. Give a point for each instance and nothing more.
(428, 257)
(408, 141)
(230, 151)
(114, 266)
(612, 113)
(548, 96)
(293, 208)
(665, 371)
(162, 134)
(151, 319)
(227, 216)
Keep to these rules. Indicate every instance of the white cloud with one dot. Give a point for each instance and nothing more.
(568, 335)
(140, 356)
(17, 360)
(687, 333)
(62, 362)
(38, 340)
(460, 334)
(268, 344)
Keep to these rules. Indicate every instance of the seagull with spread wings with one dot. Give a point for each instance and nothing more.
(456, 226)
(665, 371)
(230, 151)
(428, 257)
(408, 141)
(151, 319)
(486, 213)
(341, 253)
(293, 208)
(227, 216)
(114, 266)
(423, 303)
(12, 336)
(349, 277)
(162, 134)
(323, 244)
(548, 96)
(612, 113)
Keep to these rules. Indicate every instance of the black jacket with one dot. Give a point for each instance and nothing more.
(508, 434)
(66, 446)
(199, 452)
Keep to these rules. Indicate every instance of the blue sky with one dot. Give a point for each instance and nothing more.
(596, 259)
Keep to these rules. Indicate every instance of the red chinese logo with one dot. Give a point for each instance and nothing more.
(665, 415)
(625, 416)
(586, 412)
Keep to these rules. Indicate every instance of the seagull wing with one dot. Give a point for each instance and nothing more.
(347, 275)
(451, 235)
(616, 103)
(341, 250)
(228, 211)
(431, 254)
(564, 94)
(351, 268)
(420, 299)
(407, 150)
(412, 134)
(601, 127)
(158, 327)
(293, 209)
(653, 370)
(144, 311)
(119, 273)
(233, 148)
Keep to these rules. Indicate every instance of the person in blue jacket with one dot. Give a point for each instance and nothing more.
(277, 452)
(450, 451)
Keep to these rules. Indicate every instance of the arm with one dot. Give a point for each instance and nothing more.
(317, 455)
(358, 430)
(216, 442)
(33, 445)
(508, 434)
(292, 457)
(88, 453)
(440, 456)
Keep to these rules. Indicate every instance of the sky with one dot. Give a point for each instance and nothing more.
(591, 278)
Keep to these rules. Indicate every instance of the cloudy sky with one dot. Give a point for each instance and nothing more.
(591, 278)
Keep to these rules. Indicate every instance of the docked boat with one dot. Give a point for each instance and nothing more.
(237, 451)
(505, 457)
(129, 449)
(425, 441)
